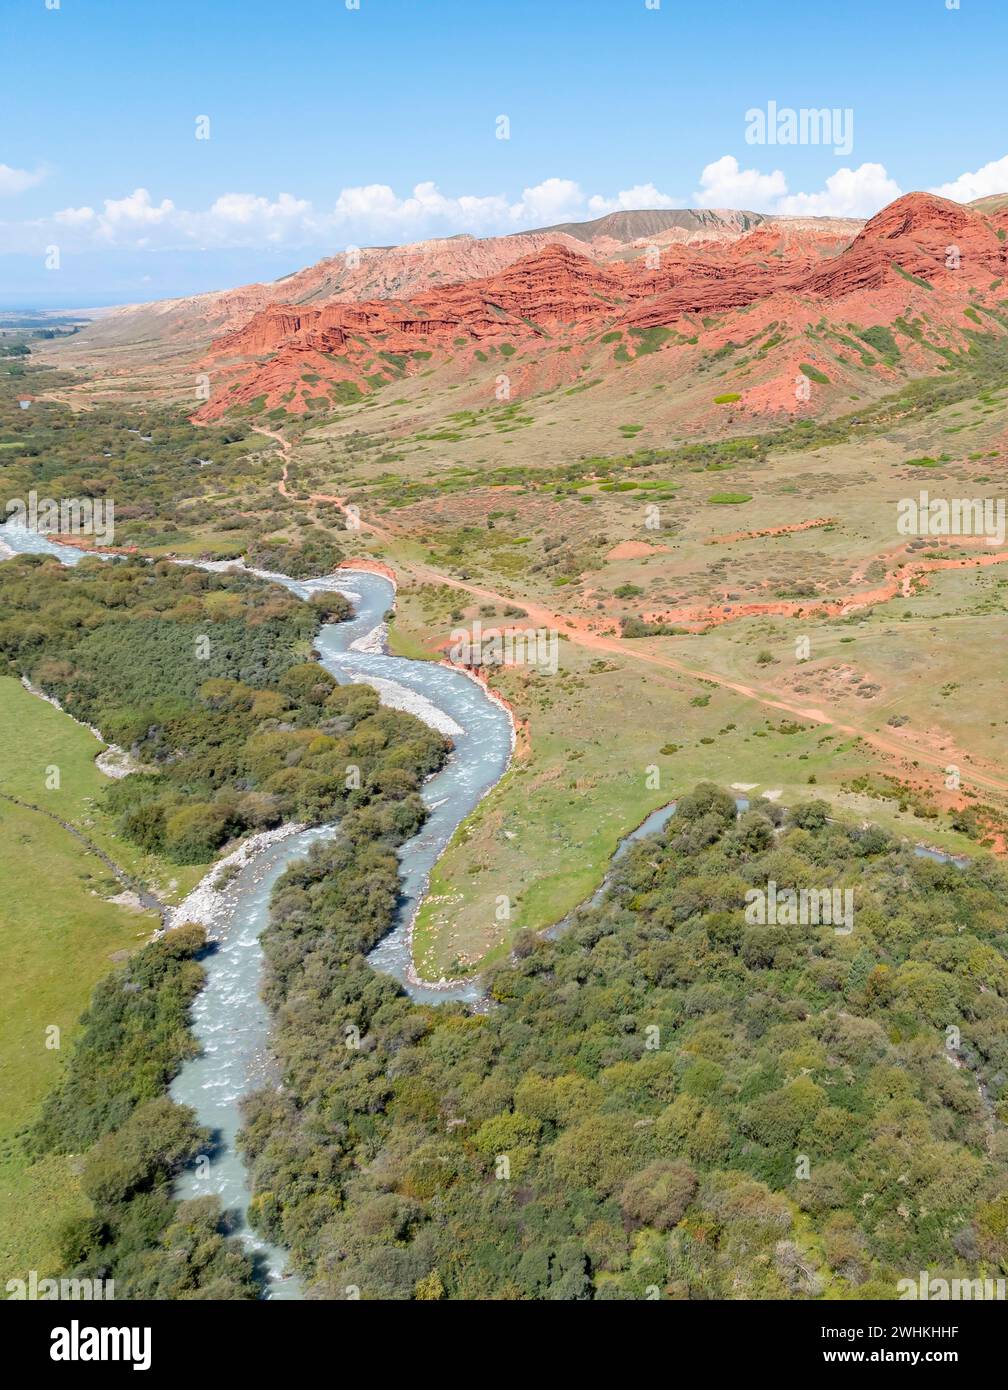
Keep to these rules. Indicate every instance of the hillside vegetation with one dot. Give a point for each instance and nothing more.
(204, 678)
(663, 1101)
(226, 756)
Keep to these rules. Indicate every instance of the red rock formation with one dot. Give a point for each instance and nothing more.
(553, 287)
(915, 233)
(558, 295)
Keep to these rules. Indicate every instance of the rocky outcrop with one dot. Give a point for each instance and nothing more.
(400, 272)
(920, 234)
(549, 288)
(563, 292)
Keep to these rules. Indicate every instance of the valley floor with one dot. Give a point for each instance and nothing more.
(789, 640)
(874, 713)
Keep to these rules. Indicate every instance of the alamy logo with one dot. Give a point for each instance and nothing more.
(70, 516)
(76, 1343)
(537, 647)
(69, 1290)
(952, 516)
(806, 907)
(954, 1290)
(808, 126)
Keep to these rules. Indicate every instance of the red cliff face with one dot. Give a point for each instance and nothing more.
(553, 287)
(558, 296)
(711, 289)
(918, 214)
(921, 235)
(265, 332)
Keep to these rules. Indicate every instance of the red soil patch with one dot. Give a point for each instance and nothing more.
(772, 531)
(78, 544)
(634, 550)
(897, 583)
(371, 566)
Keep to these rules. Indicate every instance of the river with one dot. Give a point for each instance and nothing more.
(229, 1019)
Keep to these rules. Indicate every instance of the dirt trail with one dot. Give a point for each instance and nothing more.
(772, 531)
(150, 901)
(372, 527)
(578, 631)
(898, 581)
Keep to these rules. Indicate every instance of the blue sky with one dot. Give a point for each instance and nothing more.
(323, 122)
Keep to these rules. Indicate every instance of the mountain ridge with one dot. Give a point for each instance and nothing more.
(385, 271)
(556, 304)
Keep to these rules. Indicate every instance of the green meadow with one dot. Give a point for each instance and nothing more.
(59, 933)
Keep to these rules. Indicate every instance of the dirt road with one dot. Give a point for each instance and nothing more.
(898, 581)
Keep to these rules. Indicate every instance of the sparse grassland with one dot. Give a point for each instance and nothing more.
(611, 741)
(544, 836)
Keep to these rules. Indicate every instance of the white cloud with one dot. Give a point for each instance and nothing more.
(17, 180)
(359, 215)
(990, 178)
(642, 195)
(427, 211)
(135, 210)
(859, 192)
(375, 200)
(239, 213)
(245, 208)
(371, 212)
(725, 185)
(376, 213)
(75, 217)
(122, 218)
(553, 200)
(856, 192)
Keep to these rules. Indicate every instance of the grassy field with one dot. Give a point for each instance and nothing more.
(38, 737)
(597, 504)
(59, 933)
(901, 690)
(602, 735)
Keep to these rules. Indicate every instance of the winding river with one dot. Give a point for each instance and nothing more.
(229, 1019)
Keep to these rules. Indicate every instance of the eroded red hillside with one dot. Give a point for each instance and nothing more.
(920, 255)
